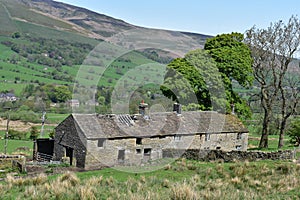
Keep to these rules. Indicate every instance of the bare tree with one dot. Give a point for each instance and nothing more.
(290, 98)
(273, 50)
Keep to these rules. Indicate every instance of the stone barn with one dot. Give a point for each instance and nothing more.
(91, 140)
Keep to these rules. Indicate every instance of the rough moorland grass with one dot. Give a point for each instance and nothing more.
(190, 180)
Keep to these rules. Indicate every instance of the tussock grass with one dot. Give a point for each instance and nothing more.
(183, 191)
(69, 178)
(241, 180)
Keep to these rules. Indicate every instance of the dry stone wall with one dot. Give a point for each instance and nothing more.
(230, 156)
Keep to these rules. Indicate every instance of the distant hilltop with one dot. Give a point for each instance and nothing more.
(17, 14)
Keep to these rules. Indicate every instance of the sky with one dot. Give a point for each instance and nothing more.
(209, 17)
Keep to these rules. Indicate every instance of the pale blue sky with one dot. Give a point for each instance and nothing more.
(201, 16)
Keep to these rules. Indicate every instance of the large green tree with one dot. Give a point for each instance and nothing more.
(233, 58)
(62, 93)
(234, 61)
(194, 80)
(208, 75)
(184, 84)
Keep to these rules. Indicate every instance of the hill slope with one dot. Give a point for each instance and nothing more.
(69, 18)
(57, 37)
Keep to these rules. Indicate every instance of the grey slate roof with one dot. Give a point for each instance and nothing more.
(96, 126)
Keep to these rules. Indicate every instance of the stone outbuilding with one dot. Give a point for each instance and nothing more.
(91, 141)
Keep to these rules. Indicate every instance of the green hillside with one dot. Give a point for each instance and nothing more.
(48, 47)
(17, 10)
(34, 30)
(6, 22)
(51, 51)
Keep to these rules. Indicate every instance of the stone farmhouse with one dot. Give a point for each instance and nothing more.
(7, 97)
(91, 141)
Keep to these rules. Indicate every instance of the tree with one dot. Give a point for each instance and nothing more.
(62, 93)
(183, 81)
(34, 134)
(101, 100)
(273, 49)
(56, 94)
(294, 133)
(16, 35)
(234, 61)
(194, 80)
(232, 56)
(209, 74)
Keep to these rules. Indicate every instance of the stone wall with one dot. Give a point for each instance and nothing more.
(68, 135)
(212, 155)
(134, 153)
(17, 161)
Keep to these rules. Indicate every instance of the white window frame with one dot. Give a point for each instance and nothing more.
(207, 136)
(177, 138)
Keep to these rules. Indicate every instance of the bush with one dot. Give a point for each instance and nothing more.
(294, 133)
(25, 116)
(34, 134)
(13, 134)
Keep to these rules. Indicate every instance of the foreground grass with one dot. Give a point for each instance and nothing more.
(180, 180)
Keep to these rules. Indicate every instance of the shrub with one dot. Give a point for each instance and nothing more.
(294, 133)
(13, 134)
(34, 134)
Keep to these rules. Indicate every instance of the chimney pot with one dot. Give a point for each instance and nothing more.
(142, 108)
(177, 108)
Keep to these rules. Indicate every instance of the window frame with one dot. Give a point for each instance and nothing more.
(101, 142)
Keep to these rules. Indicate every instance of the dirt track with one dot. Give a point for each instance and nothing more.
(19, 125)
(16, 125)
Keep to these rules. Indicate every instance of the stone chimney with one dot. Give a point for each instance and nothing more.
(143, 108)
(177, 108)
(232, 108)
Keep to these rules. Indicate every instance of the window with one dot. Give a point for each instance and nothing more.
(238, 147)
(177, 137)
(239, 136)
(121, 155)
(147, 152)
(207, 136)
(138, 140)
(138, 151)
(101, 142)
(218, 148)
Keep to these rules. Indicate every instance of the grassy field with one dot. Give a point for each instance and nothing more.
(130, 69)
(6, 21)
(54, 118)
(182, 179)
(16, 147)
(16, 88)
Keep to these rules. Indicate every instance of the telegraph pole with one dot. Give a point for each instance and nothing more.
(7, 129)
(43, 123)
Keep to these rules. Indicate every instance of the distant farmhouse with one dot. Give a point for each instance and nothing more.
(7, 97)
(91, 140)
(74, 103)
